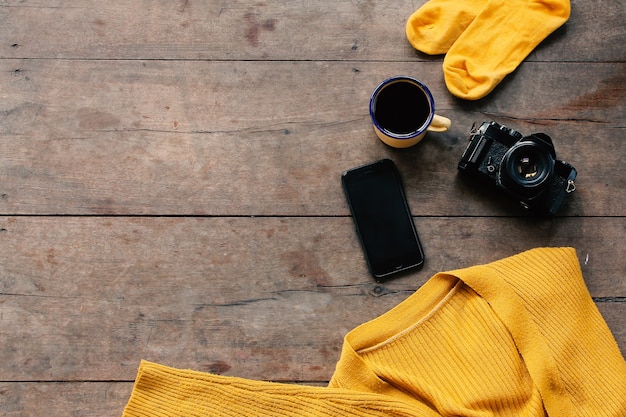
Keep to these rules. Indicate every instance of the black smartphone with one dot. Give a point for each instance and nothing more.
(382, 218)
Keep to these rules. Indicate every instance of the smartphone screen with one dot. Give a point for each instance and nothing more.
(382, 218)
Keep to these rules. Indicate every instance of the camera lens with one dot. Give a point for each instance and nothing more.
(527, 167)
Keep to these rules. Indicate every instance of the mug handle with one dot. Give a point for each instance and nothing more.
(439, 124)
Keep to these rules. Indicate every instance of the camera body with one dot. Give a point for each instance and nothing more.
(526, 168)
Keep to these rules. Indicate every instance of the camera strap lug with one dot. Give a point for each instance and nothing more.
(571, 187)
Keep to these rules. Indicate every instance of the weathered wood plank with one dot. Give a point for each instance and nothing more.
(235, 97)
(59, 399)
(231, 108)
(240, 30)
(108, 398)
(62, 399)
(86, 298)
(171, 175)
(83, 137)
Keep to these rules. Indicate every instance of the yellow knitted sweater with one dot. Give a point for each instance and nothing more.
(516, 337)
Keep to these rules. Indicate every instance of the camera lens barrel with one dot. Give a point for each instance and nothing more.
(527, 167)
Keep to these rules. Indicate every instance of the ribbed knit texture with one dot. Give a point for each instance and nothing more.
(517, 337)
(161, 391)
(434, 27)
(499, 38)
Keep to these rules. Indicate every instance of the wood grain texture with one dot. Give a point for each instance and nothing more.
(257, 297)
(169, 184)
(242, 30)
(225, 139)
(85, 399)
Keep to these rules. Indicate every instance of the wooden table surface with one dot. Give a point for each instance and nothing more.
(170, 184)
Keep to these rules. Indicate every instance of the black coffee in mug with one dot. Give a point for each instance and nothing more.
(402, 107)
(402, 110)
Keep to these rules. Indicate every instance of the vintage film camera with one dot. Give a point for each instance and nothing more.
(525, 167)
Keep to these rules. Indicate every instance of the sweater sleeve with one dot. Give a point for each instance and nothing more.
(164, 391)
(541, 297)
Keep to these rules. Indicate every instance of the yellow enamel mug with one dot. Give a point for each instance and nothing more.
(402, 110)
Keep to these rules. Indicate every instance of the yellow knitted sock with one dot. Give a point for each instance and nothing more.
(435, 26)
(497, 41)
